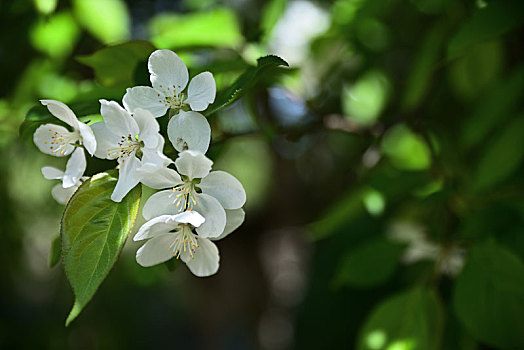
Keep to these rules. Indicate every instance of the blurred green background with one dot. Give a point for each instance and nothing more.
(384, 173)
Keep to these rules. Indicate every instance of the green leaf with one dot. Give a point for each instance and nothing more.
(369, 264)
(219, 28)
(409, 321)
(245, 81)
(502, 157)
(94, 230)
(489, 296)
(406, 149)
(494, 109)
(487, 23)
(107, 20)
(270, 15)
(115, 65)
(55, 252)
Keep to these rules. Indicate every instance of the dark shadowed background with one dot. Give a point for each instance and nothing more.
(383, 169)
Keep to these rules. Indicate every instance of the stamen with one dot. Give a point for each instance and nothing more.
(185, 242)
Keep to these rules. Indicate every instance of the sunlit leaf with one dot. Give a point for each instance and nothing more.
(245, 81)
(411, 320)
(107, 20)
(219, 27)
(489, 296)
(94, 230)
(405, 149)
(364, 101)
(487, 23)
(115, 65)
(45, 7)
(502, 157)
(56, 35)
(369, 264)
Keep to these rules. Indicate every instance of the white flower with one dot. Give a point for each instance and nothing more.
(60, 142)
(172, 235)
(189, 131)
(125, 138)
(57, 140)
(169, 77)
(216, 195)
(62, 193)
(449, 258)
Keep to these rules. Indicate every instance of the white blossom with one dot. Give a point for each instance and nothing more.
(172, 236)
(131, 140)
(216, 195)
(60, 192)
(169, 77)
(58, 141)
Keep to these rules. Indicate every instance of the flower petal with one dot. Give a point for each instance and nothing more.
(188, 217)
(205, 259)
(156, 155)
(52, 173)
(201, 91)
(51, 139)
(148, 127)
(234, 218)
(214, 214)
(105, 141)
(157, 176)
(147, 98)
(62, 112)
(117, 119)
(76, 165)
(189, 130)
(62, 195)
(225, 188)
(193, 164)
(161, 203)
(155, 227)
(155, 251)
(88, 137)
(126, 178)
(167, 71)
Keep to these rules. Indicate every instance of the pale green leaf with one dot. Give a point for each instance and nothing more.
(94, 230)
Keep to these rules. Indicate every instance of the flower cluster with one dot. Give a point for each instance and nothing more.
(195, 206)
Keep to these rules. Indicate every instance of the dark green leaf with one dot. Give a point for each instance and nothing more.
(115, 65)
(54, 253)
(497, 18)
(94, 230)
(369, 264)
(491, 111)
(245, 81)
(502, 157)
(410, 320)
(489, 296)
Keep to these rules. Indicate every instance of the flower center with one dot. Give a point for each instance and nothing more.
(185, 242)
(184, 196)
(173, 97)
(126, 147)
(60, 140)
